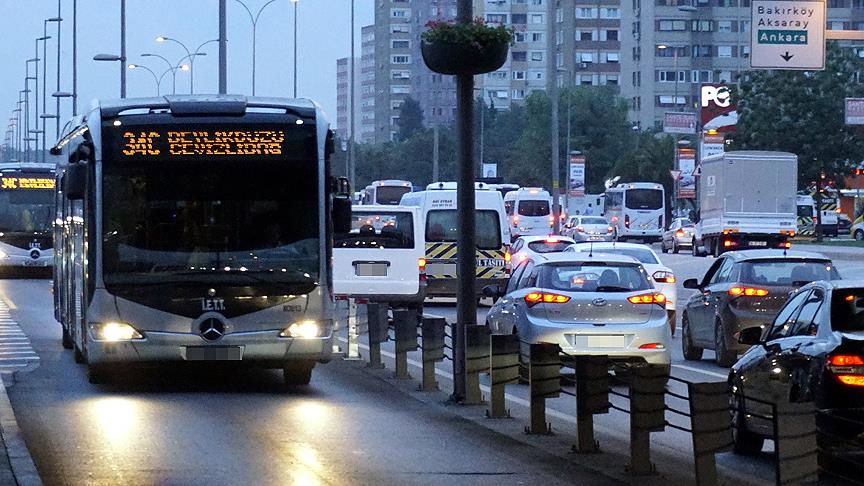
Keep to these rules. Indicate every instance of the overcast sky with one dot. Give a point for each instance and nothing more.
(323, 36)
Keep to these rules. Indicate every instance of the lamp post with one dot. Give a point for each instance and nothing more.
(44, 41)
(189, 54)
(58, 20)
(156, 78)
(113, 58)
(173, 67)
(254, 18)
(27, 79)
(35, 78)
(295, 2)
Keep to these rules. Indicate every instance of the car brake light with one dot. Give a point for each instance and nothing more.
(729, 243)
(421, 265)
(515, 221)
(656, 298)
(785, 244)
(626, 220)
(507, 257)
(679, 233)
(535, 298)
(652, 346)
(837, 210)
(610, 229)
(552, 239)
(848, 369)
(664, 277)
(580, 229)
(740, 291)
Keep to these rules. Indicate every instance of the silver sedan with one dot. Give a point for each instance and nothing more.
(679, 235)
(588, 228)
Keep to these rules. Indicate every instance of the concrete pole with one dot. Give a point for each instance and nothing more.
(74, 62)
(466, 313)
(435, 148)
(223, 48)
(36, 133)
(57, 101)
(552, 89)
(45, 85)
(351, 91)
(122, 48)
(351, 136)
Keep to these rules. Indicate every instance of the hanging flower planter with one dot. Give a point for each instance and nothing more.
(473, 48)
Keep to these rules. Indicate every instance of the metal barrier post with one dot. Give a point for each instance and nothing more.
(795, 446)
(503, 370)
(378, 326)
(592, 397)
(432, 349)
(476, 362)
(544, 381)
(710, 426)
(405, 324)
(352, 349)
(647, 414)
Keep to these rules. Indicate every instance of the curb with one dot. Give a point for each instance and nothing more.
(23, 468)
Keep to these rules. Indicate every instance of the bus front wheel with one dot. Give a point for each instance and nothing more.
(97, 374)
(67, 339)
(297, 374)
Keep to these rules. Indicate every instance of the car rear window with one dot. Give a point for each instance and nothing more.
(593, 221)
(642, 255)
(377, 230)
(785, 272)
(442, 226)
(847, 310)
(592, 277)
(548, 247)
(534, 208)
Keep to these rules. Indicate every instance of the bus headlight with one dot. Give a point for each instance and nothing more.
(3, 255)
(302, 329)
(112, 331)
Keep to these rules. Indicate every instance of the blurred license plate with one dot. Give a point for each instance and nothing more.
(214, 353)
(758, 243)
(371, 270)
(441, 269)
(595, 238)
(605, 341)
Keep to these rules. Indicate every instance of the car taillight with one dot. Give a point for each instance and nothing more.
(515, 221)
(785, 245)
(653, 346)
(535, 298)
(421, 265)
(741, 291)
(679, 233)
(729, 243)
(656, 298)
(837, 210)
(626, 220)
(848, 369)
(580, 229)
(664, 277)
(507, 259)
(610, 229)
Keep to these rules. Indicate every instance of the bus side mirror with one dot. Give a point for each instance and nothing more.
(341, 213)
(75, 181)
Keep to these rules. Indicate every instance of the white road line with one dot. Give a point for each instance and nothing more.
(697, 370)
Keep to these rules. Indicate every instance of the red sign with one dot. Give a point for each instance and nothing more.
(679, 122)
(717, 111)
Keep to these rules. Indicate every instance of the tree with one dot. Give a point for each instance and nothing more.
(802, 113)
(410, 118)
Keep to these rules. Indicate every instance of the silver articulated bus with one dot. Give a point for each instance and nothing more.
(197, 228)
(26, 214)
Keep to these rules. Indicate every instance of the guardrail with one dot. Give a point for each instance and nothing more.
(649, 398)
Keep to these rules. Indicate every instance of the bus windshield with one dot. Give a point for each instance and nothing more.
(390, 195)
(644, 199)
(26, 210)
(213, 220)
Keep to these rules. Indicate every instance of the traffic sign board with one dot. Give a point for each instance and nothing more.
(787, 35)
(676, 174)
(697, 171)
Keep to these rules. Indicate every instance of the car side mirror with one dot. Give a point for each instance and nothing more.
(75, 181)
(750, 336)
(492, 291)
(692, 283)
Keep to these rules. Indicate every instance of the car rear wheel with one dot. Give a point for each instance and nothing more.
(723, 356)
(859, 235)
(675, 246)
(663, 246)
(743, 441)
(691, 352)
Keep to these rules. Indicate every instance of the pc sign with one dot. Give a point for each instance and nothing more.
(787, 35)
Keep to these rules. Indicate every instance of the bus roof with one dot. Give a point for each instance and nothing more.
(191, 105)
(638, 185)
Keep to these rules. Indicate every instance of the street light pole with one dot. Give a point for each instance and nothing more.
(552, 89)
(156, 79)
(254, 19)
(295, 2)
(36, 155)
(59, 19)
(191, 55)
(351, 92)
(122, 49)
(223, 47)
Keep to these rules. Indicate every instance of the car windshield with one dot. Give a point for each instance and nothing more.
(378, 230)
(805, 211)
(594, 221)
(533, 207)
(686, 223)
(786, 272)
(442, 226)
(548, 246)
(847, 310)
(644, 199)
(594, 277)
(640, 254)
(390, 195)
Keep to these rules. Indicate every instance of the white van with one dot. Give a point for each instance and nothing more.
(381, 258)
(387, 192)
(438, 215)
(529, 211)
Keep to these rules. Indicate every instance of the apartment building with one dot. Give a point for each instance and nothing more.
(366, 131)
(343, 114)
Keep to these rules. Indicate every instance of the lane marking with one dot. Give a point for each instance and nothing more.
(697, 370)
(9, 303)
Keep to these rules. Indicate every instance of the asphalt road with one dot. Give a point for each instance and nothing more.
(214, 426)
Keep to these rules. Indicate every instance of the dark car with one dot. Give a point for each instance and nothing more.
(744, 289)
(813, 350)
(844, 225)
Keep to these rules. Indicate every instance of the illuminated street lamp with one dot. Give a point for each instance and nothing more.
(191, 55)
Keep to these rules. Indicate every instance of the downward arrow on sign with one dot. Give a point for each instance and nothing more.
(786, 57)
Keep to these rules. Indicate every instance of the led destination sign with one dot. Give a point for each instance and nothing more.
(25, 182)
(173, 143)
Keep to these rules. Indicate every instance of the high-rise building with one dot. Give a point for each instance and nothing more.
(366, 130)
(394, 60)
(343, 114)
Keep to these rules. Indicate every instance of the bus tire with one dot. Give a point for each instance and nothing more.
(66, 339)
(79, 355)
(297, 373)
(97, 374)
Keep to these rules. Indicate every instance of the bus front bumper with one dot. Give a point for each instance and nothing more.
(262, 348)
(26, 261)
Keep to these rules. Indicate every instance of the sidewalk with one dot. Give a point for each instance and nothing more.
(16, 465)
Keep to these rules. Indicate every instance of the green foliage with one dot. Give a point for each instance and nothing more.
(802, 113)
(476, 33)
(410, 118)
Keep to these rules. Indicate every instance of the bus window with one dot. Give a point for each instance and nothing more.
(390, 195)
(644, 199)
(441, 226)
(533, 207)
